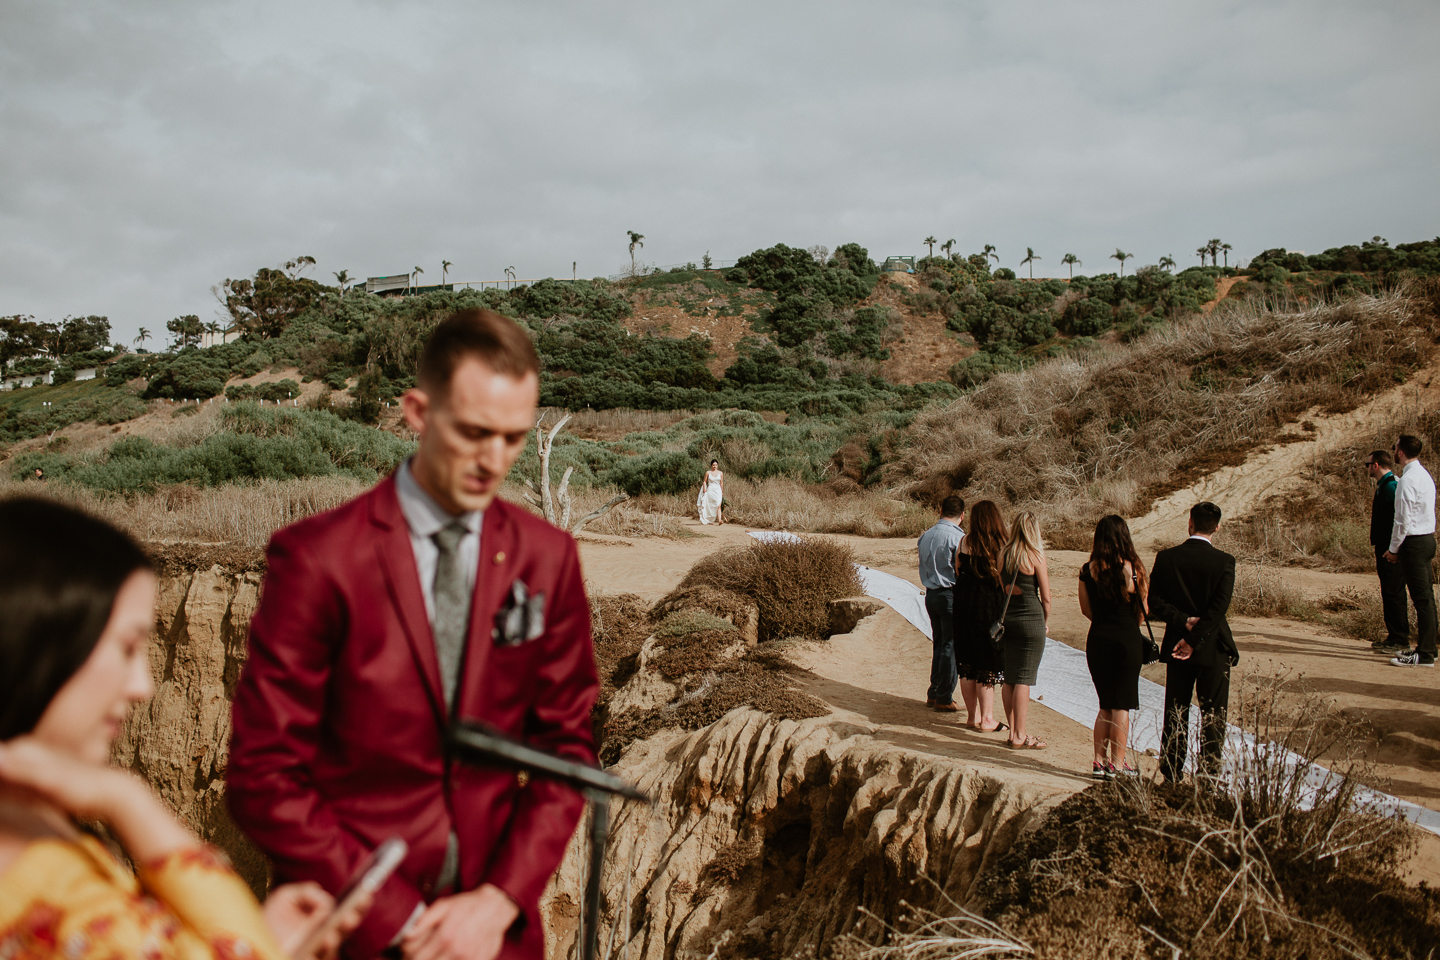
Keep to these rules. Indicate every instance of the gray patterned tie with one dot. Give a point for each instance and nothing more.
(452, 607)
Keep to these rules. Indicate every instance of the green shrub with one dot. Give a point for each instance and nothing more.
(62, 374)
(659, 473)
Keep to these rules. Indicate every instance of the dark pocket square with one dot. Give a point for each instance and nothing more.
(521, 619)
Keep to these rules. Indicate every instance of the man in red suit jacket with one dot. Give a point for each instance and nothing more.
(383, 619)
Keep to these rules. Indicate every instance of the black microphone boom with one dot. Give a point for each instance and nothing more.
(474, 741)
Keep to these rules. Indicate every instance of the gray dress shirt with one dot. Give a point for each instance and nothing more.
(425, 517)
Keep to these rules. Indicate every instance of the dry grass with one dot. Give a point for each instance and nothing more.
(243, 515)
(1287, 858)
(1262, 590)
(780, 503)
(791, 581)
(1074, 438)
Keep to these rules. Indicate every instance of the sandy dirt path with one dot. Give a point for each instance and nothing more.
(880, 671)
(1276, 470)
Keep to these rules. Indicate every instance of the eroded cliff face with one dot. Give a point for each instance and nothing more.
(180, 740)
(779, 832)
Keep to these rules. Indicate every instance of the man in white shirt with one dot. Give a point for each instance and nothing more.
(1412, 545)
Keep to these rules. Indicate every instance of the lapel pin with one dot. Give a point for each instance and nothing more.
(500, 557)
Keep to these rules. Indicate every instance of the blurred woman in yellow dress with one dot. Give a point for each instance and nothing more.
(77, 607)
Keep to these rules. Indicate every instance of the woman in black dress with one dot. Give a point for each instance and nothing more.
(977, 605)
(1113, 592)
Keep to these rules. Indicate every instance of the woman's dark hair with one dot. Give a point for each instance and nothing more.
(60, 570)
(986, 538)
(1112, 550)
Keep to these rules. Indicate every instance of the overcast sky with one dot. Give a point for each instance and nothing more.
(150, 149)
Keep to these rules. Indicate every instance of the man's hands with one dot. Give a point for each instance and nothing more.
(467, 926)
(1391, 557)
(1183, 650)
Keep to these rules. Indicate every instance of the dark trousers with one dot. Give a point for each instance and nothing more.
(1392, 599)
(940, 604)
(1416, 553)
(1211, 686)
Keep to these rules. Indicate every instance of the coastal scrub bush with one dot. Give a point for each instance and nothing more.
(254, 444)
(791, 581)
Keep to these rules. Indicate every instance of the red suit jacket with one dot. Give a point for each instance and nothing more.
(339, 719)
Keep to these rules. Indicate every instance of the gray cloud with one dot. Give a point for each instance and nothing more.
(152, 149)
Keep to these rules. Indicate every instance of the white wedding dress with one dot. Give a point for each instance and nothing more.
(710, 496)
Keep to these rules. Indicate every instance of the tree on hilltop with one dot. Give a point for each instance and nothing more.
(445, 266)
(142, 336)
(1167, 263)
(635, 241)
(990, 252)
(1225, 249)
(414, 284)
(1030, 258)
(265, 304)
(1213, 247)
(930, 242)
(187, 330)
(1122, 256)
(342, 277)
(947, 246)
(1203, 252)
(1071, 261)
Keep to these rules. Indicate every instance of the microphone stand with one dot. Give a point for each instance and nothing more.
(478, 745)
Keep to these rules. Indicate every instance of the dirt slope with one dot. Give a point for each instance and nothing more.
(1276, 470)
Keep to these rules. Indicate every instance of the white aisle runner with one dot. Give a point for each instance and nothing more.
(1065, 686)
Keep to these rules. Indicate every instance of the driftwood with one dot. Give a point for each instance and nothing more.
(545, 501)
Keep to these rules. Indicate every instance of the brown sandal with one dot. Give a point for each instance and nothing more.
(1029, 743)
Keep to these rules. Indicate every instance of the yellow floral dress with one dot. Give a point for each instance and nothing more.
(73, 900)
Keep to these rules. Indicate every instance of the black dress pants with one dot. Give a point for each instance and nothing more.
(1416, 553)
(940, 604)
(1392, 599)
(1210, 684)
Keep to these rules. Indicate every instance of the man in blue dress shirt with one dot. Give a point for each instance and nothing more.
(937, 575)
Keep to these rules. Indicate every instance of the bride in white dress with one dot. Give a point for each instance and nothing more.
(712, 495)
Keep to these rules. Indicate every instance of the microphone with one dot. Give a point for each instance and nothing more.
(477, 743)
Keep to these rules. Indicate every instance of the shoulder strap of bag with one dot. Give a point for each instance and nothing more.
(1006, 608)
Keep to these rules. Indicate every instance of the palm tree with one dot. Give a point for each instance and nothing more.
(1122, 256)
(445, 266)
(930, 242)
(635, 239)
(1203, 251)
(413, 274)
(1214, 247)
(1167, 264)
(343, 278)
(947, 246)
(1030, 258)
(990, 252)
(1225, 249)
(1071, 261)
(212, 328)
(510, 274)
(142, 336)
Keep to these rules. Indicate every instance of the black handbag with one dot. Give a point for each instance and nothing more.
(997, 629)
(1149, 649)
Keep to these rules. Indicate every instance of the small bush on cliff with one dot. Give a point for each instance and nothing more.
(791, 581)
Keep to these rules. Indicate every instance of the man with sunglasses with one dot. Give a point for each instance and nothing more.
(1412, 547)
(1392, 578)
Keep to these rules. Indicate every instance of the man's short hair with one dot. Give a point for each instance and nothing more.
(496, 341)
(952, 506)
(1206, 517)
(1382, 458)
(1409, 445)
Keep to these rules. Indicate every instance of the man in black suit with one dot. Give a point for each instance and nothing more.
(1190, 590)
